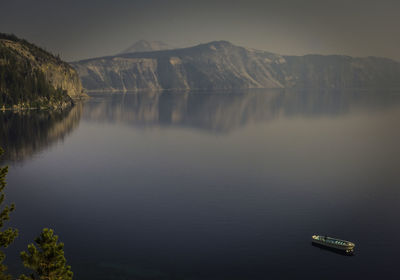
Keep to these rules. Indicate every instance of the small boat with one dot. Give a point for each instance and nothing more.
(334, 243)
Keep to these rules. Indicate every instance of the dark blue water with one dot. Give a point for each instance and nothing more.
(211, 185)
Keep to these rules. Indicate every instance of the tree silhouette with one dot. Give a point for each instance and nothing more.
(8, 235)
(47, 261)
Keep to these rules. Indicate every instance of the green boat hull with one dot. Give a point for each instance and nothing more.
(334, 243)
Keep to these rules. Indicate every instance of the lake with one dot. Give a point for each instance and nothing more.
(211, 185)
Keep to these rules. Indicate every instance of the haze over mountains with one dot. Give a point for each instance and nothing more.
(220, 65)
(147, 46)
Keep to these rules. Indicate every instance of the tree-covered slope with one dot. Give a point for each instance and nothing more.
(31, 77)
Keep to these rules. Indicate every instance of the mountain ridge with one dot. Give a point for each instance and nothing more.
(145, 46)
(222, 65)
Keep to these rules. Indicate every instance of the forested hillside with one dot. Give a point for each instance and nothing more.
(31, 77)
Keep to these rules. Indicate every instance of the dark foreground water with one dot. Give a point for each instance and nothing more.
(211, 185)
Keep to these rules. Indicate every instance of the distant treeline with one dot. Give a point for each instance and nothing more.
(21, 83)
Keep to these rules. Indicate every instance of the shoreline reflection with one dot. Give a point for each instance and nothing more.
(24, 134)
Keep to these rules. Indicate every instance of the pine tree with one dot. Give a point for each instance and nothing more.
(8, 235)
(47, 261)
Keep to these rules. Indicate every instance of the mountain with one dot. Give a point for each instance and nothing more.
(222, 65)
(147, 46)
(31, 77)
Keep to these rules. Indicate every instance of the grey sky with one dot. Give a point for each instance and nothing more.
(90, 28)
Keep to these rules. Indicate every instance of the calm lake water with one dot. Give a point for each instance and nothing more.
(211, 185)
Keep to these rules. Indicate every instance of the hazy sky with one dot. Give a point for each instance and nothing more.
(89, 28)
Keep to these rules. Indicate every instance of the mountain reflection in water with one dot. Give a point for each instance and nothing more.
(24, 133)
(225, 111)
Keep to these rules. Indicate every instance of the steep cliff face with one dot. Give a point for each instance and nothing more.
(29, 70)
(65, 77)
(222, 65)
(119, 74)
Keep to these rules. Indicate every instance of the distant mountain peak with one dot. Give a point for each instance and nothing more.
(147, 46)
(221, 43)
